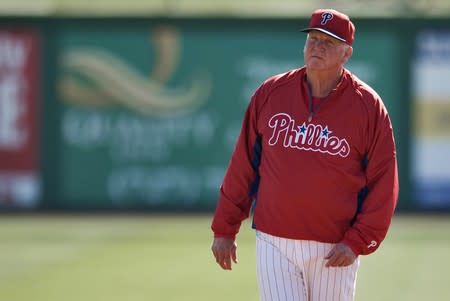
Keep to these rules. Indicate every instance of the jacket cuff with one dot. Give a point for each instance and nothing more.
(353, 246)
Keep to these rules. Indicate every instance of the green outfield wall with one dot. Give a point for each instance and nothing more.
(143, 114)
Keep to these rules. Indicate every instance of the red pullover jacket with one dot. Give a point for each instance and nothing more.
(328, 174)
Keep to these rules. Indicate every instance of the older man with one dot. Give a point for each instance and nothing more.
(316, 155)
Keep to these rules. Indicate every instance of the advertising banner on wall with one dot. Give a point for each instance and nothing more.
(19, 170)
(150, 115)
(431, 139)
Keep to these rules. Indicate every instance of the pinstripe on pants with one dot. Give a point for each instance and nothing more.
(294, 270)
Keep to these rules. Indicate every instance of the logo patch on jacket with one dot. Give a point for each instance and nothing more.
(308, 137)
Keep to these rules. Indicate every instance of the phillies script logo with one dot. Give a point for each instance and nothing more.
(308, 137)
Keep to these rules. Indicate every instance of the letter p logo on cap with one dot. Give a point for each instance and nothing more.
(326, 17)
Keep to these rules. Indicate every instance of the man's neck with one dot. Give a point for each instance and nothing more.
(322, 83)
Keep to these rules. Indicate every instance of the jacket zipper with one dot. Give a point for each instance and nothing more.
(311, 108)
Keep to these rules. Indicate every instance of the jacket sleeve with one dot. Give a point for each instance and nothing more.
(377, 209)
(235, 196)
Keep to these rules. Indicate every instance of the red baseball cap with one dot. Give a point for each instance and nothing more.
(333, 23)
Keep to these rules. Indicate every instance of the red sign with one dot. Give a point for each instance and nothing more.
(19, 171)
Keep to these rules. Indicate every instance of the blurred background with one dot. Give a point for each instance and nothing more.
(118, 118)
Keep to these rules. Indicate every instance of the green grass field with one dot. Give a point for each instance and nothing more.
(148, 257)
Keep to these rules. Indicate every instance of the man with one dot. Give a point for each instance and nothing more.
(316, 154)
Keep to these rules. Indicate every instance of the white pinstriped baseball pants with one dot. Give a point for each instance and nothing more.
(294, 270)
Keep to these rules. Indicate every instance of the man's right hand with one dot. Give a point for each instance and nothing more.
(224, 250)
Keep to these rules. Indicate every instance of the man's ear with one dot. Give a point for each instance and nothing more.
(348, 53)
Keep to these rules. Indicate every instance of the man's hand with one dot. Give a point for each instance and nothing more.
(224, 250)
(340, 256)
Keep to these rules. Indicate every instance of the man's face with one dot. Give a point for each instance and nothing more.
(323, 52)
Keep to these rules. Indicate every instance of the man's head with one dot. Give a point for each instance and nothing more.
(330, 36)
(332, 23)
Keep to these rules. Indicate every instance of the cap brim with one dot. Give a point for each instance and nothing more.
(324, 31)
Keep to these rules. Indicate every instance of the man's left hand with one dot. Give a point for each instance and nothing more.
(340, 256)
